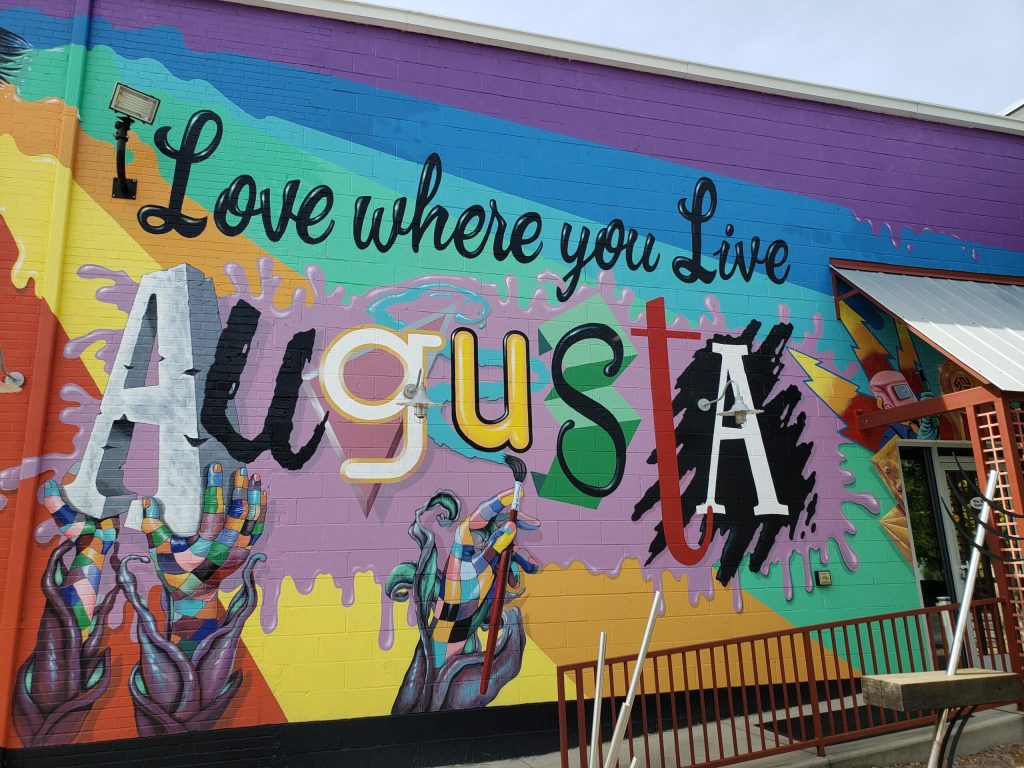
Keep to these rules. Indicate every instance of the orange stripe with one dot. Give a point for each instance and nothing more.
(33, 125)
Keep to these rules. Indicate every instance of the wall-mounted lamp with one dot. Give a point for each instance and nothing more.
(740, 410)
(416, 398)
(130, 105)
(10, 381)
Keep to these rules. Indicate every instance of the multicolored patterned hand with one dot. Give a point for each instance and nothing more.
(93, 540)
(452, 603)
(192, 569)
(61, 679)
(469, 573)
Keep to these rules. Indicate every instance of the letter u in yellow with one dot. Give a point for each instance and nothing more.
(513, 429)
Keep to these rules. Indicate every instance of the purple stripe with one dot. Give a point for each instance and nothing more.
(58, 9)
(887, 169)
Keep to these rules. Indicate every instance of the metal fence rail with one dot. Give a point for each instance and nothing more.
(724, 702)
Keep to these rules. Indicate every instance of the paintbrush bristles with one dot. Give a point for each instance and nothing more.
(517, 466)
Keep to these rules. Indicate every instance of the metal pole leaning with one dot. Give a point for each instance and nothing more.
(972, 576)
(964, 614)
(595, 728)
(627, 704)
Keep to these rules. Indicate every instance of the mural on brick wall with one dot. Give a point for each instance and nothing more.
(240, 518)
(453, 602)
(898, 372)
(748, 499)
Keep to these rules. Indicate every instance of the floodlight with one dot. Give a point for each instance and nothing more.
(130, 105)
(135, 104)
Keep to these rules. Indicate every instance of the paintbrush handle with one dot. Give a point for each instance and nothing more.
(498, 603)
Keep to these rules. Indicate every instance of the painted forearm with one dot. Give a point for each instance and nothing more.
(451, 605)
(65, 674)
(175, 691)
(92, 541)
(192, 621)
(68, 669)
(185, 676)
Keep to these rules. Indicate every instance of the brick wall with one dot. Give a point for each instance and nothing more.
(249, 350)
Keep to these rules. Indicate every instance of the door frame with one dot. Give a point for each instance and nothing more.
(958, 568)
(951, 553)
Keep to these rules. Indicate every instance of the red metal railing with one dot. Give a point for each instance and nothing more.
(728, 701)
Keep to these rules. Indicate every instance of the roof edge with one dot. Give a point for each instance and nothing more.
(557, 47)
(1015, 107)
(837, 265)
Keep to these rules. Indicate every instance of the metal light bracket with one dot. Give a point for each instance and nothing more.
(11, 381)
(123, 188)
(740, 410)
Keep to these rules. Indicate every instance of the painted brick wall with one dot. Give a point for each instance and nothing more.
(348, 571)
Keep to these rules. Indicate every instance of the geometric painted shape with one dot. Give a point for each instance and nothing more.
(894, 523)
(563, 607)
(584, 363)
(887, 463)
(583, 368)
(587, 439)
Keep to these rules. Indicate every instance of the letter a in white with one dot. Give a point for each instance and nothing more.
(175, 313)
(749, 433)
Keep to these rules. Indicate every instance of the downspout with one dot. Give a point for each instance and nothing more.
(40, 379)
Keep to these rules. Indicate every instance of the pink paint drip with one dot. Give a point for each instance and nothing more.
(896, 227)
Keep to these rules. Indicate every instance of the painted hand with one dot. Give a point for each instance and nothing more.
(186, 674)
(192, 569)
(92, 539)
(69, 669)
(469, 573)
(452, 603)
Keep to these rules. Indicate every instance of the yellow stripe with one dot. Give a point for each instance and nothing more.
(323, 661)
(94, 237)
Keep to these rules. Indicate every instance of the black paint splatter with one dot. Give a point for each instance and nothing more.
(12, 48)
(781, 428)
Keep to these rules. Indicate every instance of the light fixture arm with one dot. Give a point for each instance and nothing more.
(415, 397)
(409, 390)
(740, 410)
(705, 405)
(124, 188)
(10, 381)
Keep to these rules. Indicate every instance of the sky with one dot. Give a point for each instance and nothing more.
(960, 53)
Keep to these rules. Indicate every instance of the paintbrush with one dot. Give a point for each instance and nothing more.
(501, 578)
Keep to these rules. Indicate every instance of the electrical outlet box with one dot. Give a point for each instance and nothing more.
(823, 578)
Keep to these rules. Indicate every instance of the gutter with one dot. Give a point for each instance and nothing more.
(573, 50)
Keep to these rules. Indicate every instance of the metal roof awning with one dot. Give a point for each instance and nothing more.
(975, 320)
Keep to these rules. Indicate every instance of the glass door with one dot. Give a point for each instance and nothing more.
(929, 539)
(960, 505)
(940, 489)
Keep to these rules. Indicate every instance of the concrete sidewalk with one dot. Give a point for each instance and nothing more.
(986, 729)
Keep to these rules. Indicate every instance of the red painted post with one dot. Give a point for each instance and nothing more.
(812, 689)
(563, 725)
